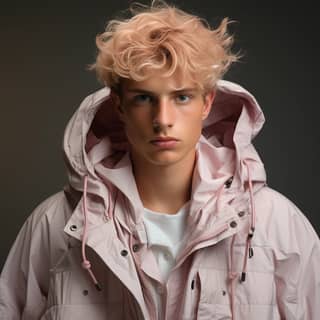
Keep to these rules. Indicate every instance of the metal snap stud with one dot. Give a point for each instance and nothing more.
(85, 292)
(233, 224)
(73, 227)
(241, 214)
(135, 247)
(228, 182)
(124, 253)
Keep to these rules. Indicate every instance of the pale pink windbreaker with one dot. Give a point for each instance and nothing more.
(249, 252)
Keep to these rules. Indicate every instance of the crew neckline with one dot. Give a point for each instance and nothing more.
(179, 213)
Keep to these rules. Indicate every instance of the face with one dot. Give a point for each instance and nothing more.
(163, 123)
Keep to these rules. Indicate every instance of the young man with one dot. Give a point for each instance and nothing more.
(167, 214)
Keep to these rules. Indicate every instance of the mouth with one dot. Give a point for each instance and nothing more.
(165, 142)
(163, 139)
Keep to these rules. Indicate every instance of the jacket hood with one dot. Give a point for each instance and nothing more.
(95, 146)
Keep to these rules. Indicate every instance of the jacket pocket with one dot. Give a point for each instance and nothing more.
(70, 284)
(78, 312)
(93, 308)
(72, 294)
(214, 302)
(73, 297)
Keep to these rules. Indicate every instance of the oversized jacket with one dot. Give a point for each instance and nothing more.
(249, 253)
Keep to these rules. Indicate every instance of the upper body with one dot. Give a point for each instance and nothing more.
(157, 143)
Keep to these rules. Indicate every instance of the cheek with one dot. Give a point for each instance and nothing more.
(193, 128)
(136, 128)
(192, 121)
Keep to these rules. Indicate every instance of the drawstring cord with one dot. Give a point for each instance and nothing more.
(86, 264)
(109, 214)
(232, 275)
(248, 250)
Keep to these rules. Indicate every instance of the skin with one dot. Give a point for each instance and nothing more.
(163, 175)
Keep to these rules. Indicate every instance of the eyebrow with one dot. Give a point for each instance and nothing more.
(138, 90)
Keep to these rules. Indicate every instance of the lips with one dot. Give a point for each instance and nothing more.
(164, 139)
(165, 142)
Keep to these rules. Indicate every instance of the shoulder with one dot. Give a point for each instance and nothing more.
(49, 205)
(281, 221)
(41, 235)
(50, 212)
(273, 203)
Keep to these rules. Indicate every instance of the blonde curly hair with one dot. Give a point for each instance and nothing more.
(161, 37)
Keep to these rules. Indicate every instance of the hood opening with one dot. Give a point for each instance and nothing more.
(95, 135)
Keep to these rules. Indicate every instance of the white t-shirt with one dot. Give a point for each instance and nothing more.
(165, 232)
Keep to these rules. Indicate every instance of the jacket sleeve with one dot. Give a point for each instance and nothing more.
(297, 267)
(24, 280)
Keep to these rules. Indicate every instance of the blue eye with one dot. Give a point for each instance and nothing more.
(142, 98)
(183, 98)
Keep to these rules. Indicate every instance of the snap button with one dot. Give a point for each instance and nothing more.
(85, 292)
(233, 224)
(241, 214)
(124, 253)
(135, 247)
(73, 227)
(228, 182)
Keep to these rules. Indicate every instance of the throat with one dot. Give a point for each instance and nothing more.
(164, 189)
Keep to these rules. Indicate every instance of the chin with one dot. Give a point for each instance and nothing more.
(166, 158)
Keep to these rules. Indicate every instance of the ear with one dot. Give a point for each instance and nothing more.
(116, 103)
(208, 101)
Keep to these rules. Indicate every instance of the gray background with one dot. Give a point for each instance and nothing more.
(46, 46)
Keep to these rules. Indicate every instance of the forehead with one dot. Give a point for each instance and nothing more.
(159, 84)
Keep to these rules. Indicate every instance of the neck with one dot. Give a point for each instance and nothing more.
(164, 188)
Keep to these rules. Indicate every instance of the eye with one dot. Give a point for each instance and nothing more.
(142, 98)
(183, 98)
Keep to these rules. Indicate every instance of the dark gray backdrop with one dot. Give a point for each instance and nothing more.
(46, 46)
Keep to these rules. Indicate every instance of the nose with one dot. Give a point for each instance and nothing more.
(163, 115)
